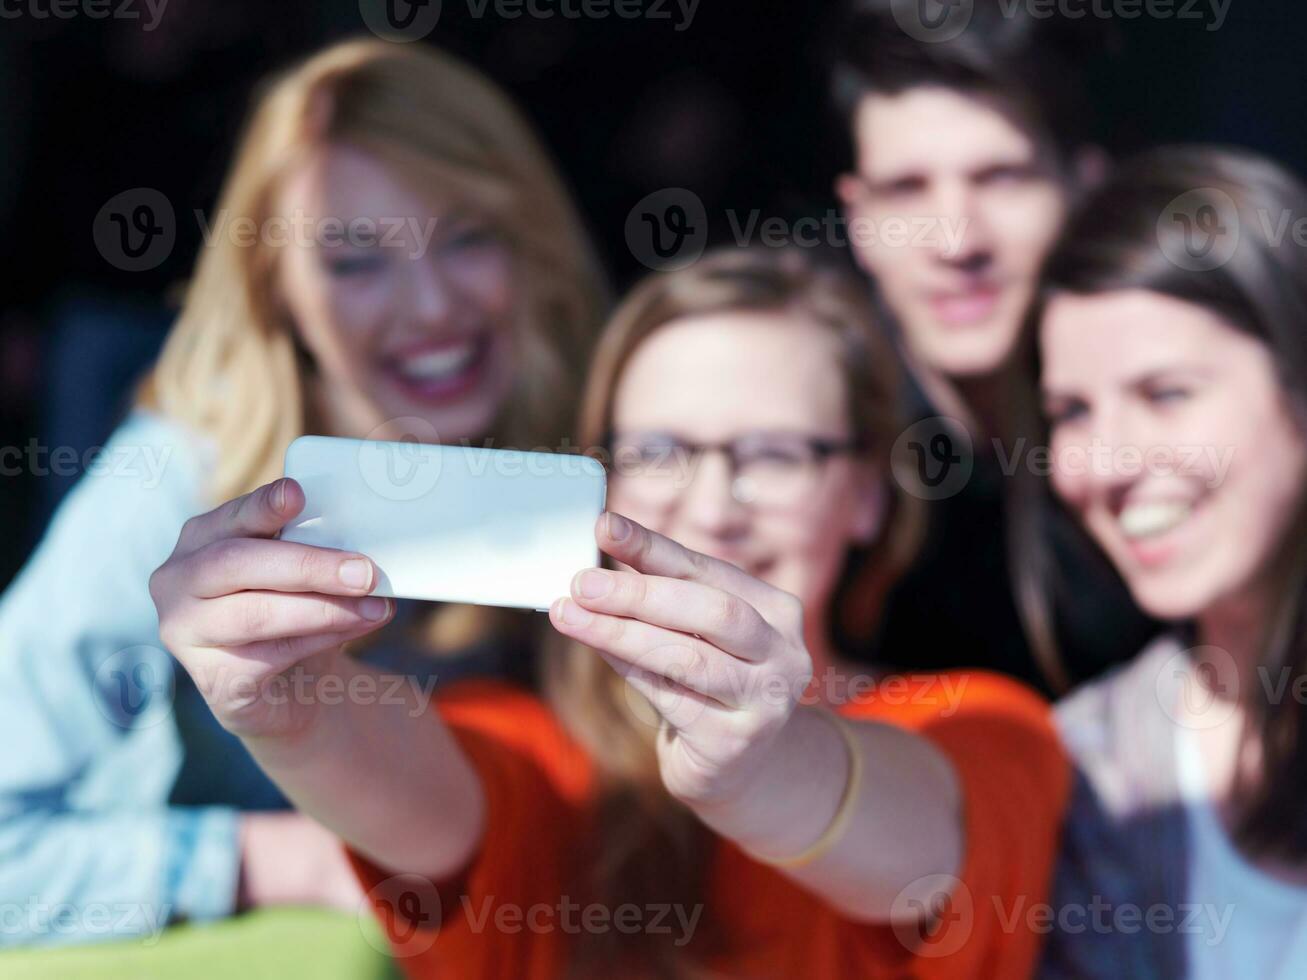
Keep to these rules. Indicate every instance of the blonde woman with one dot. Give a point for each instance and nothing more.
(392, 255)
(705, 780)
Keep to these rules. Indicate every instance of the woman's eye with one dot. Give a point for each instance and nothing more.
(1005, 174)
(469, 238)
(648, 454)
(783, 456)
(346, 266)
(898, 189)
(1168, 395)
(1061, 414)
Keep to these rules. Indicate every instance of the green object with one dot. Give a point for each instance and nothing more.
(269, 944)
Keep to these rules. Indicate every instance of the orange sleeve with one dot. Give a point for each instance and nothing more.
(487, 921)
(1014, 782)
(1015, 779)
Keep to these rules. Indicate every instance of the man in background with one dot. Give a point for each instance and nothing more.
(970, 141)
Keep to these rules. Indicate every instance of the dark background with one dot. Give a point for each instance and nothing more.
(734, 108)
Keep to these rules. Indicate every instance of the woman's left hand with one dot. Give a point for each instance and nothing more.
(718, 654)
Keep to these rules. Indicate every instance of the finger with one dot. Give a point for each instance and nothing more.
(722, 618)
(679, 706)
(680, 659)
(232, 565)
(285, 652)
(258, 514)
(248, 617)
(654, 554)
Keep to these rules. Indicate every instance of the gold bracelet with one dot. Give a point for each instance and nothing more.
(843, 813)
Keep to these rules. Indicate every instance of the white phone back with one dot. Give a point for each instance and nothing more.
(451, 523)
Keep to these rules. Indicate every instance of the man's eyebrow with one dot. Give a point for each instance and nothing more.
(893, 177)
(1017, 160)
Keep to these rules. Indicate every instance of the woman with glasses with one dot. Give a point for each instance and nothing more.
(704, 782)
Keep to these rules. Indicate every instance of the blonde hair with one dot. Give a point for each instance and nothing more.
(231, 369)
(651, 848)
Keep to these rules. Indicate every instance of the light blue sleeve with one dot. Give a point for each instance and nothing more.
(90, 848)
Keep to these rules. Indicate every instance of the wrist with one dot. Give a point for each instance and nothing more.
(266, 876)
(739, 787)
(839, 821)
(289, 859)
(785, 800)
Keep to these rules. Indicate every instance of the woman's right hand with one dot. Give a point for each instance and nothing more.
(240, 609)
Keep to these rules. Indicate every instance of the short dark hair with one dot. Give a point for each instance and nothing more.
(1034, 65)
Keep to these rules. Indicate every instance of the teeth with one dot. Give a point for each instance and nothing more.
(435, 365)
(1147, 520)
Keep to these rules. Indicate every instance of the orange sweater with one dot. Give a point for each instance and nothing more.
(509, 914)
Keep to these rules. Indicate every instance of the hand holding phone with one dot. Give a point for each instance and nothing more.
(238, 609)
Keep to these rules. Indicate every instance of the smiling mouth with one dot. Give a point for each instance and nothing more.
(1144, 521)
(440, 372)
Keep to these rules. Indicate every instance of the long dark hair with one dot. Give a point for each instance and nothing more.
(1205, 225)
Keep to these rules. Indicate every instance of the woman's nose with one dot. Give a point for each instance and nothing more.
(433, 300)
(708, 498)
(1120, 438)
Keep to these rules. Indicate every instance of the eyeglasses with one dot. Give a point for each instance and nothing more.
(767, 469)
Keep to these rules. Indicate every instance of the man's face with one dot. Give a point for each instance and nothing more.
(952, 211)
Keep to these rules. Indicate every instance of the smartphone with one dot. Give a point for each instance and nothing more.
(494, 527)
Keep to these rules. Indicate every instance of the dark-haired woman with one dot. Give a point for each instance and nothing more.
(1173, 359)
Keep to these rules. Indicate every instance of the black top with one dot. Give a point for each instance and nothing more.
(955, 606)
